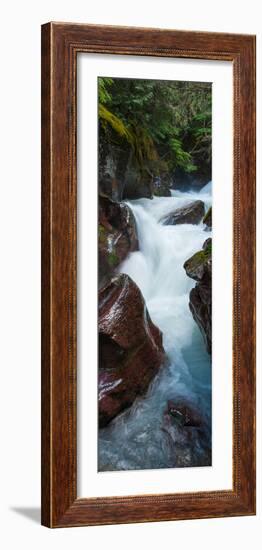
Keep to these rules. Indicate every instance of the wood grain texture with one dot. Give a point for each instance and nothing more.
(60, 44)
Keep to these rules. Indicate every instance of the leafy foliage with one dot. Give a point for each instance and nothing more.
(166, 124)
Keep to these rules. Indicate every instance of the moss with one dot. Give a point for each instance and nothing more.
(199, 257)
(116, 123)
(101, 233)
(113, 259)
(208, 249)
(138, 137)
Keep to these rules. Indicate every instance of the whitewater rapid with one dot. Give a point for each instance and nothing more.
(138, 438)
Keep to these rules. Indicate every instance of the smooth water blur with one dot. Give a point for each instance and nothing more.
(140, 438)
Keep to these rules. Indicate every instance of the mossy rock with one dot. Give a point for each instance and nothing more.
(113, 259)
(200, 263)
(102, 233)
(207, 248)
(199, 268)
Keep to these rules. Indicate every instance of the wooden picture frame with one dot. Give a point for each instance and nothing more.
(61, 43)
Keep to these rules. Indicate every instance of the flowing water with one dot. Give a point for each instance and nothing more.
(143, 437)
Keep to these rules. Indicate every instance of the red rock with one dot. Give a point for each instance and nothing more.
(130, 347)
(117, 236)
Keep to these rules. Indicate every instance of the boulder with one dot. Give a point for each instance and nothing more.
(130, 347)
(117, 236)
(199, 268)
(162, 186)
(109, 187)
(183, 413)
(137, 186)
(191, 213)
(112, 161)
(187, 434)
(207, 220)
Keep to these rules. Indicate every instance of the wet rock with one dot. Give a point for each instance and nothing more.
(138, 188)
(109, 187)
(201, 308)
(135, 188)
(207, 220)
(117, 236)
(199, 268)
(183, 414)
(191, 213)
(187, 433)
(120, 178)
(162, 186)
(130, 347)
(112, 163)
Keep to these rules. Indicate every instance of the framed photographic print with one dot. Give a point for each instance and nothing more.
(148, 275)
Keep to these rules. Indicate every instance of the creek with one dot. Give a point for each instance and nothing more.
(140, 438)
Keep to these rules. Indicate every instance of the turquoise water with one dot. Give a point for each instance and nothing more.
(141, 438)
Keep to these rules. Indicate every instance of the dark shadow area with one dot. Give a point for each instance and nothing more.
(34, 514)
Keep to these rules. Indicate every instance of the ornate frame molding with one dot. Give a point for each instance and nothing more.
(61, 43)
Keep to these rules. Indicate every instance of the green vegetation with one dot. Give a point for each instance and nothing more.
(208, 249)
(113, 259)
(198, 259)
(201, 256)
(162, 125)
(102, 233)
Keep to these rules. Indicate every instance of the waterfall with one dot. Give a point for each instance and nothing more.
(138, 438)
